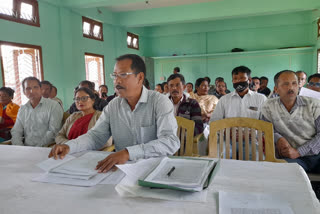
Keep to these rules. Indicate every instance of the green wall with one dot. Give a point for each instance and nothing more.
(211, 42)
(261, 63)
(63, 46)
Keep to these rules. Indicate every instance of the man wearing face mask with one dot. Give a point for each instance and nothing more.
(242, 102)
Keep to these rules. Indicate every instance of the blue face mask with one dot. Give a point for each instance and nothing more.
(241, 86)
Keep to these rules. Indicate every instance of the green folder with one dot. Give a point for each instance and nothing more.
(149, 184)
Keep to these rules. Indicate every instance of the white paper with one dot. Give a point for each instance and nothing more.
(252, 203)
(78, 171)
(51, 163)
(309, 93)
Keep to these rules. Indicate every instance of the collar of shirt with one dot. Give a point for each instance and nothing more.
(42, 100)
(299, 102)
(235, 93)
(143, 98)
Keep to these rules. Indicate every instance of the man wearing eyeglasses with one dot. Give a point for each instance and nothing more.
(141, 121)
(314, 82)
(296, 122)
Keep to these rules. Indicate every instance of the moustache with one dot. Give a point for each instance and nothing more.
(120, 87)
(175, 92)
(290, 92)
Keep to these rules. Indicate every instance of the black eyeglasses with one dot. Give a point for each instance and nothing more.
(83, 99)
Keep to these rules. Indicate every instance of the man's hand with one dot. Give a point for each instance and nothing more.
(59, 151)
(290, 152)
(286, 150)
(282, 144)
(109, 162)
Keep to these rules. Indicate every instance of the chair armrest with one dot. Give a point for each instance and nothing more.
(109, 149)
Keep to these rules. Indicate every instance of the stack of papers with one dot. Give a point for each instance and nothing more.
(180, 174)
(78, 171)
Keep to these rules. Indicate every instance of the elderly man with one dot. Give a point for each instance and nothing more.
(183, 105)
(140, 121)
(39, 120)
(296, 122)
(53, 95)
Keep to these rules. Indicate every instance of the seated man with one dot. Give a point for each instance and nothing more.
(296, 122)
(255, 84)
(183, 105)
(53, 95)
(302, 78)
(39, 120)
(242, 102)
(314, 82)
(99, 103)
(103, 92)
(140, 121)
(46, 88)
(263, 86)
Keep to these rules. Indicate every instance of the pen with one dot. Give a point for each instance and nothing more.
(171, 170)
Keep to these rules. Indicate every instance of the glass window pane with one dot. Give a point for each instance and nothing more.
(6, 7)
(129, 40)
(86, 28)
(135, 42)
(26, 11)
(96, 31)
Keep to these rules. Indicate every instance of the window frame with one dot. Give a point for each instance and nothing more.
(133, 36)
(97, 55)
(23, 46)
(92, 24)
(17, 10)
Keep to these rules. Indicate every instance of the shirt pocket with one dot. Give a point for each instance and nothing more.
(148, 133)
(253, 113)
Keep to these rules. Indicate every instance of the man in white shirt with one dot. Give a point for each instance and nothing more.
(242, 102)
(39, 120)
(141, 121)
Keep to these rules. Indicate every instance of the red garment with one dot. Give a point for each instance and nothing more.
(8, 122)
(80, 127)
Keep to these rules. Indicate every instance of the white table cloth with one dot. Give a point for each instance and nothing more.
(18, 194)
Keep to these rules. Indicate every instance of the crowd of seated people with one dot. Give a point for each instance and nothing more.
(149, 115)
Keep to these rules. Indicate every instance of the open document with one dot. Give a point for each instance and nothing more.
(180, 174)
(252, 203)
(78, 171)
(309, 93)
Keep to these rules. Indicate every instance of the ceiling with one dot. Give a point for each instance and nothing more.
(140, 13)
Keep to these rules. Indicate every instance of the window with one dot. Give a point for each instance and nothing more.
(21, 11)
(19, 61)
(95, 69)
(318, 60)
(92, 29)
(133, 41)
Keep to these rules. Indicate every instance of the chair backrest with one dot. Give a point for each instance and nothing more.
(242, 131)
(185, 134)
